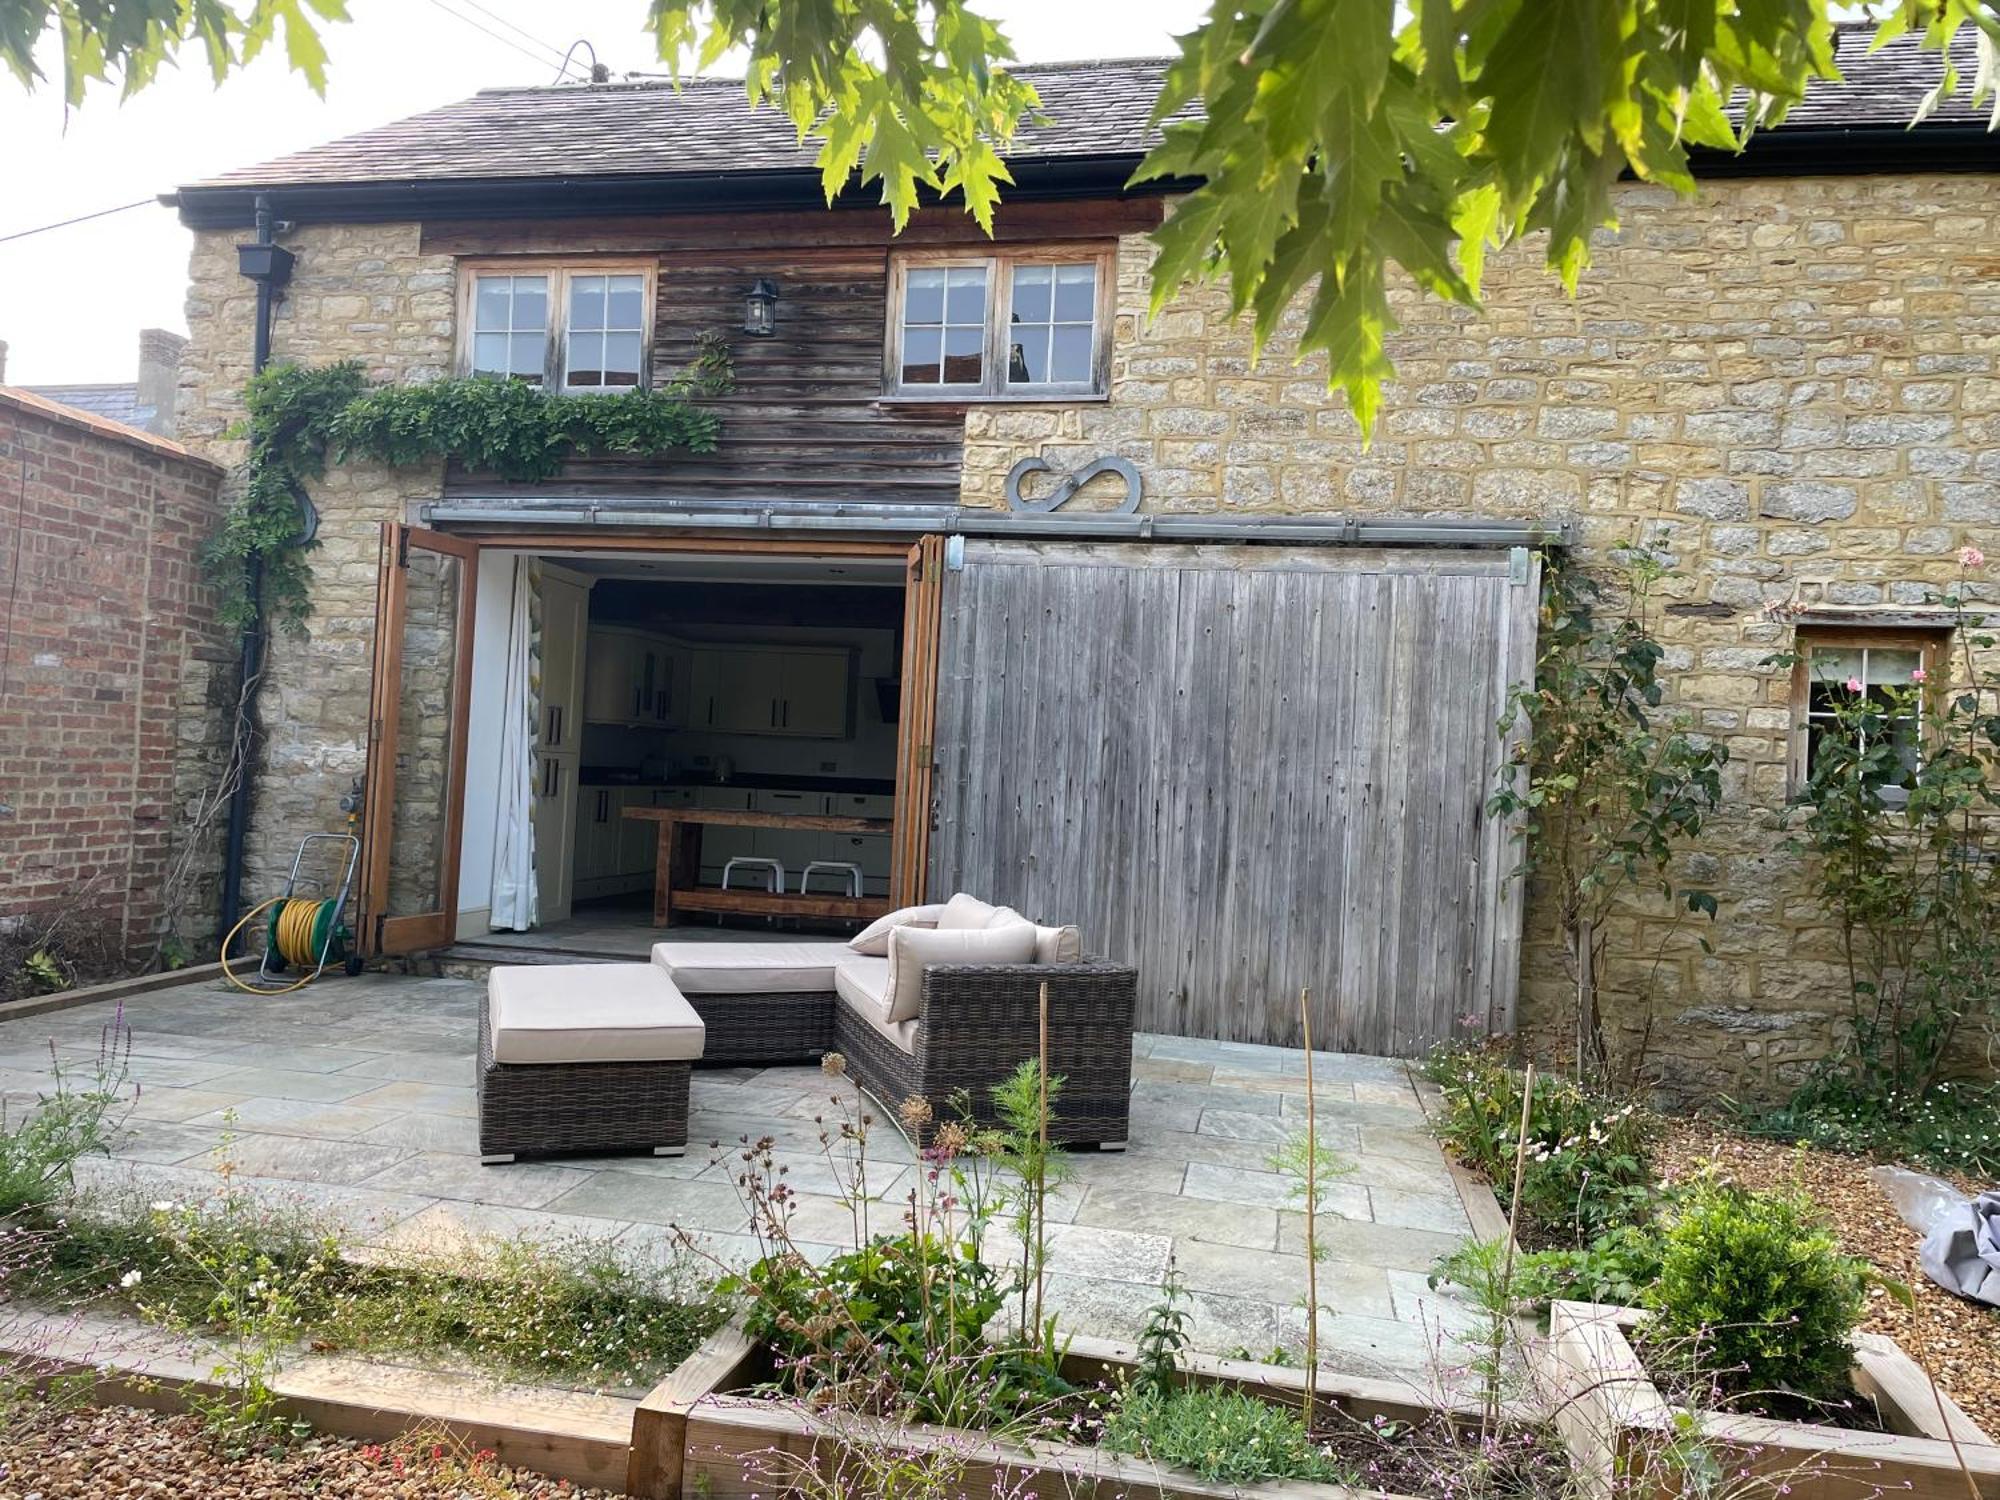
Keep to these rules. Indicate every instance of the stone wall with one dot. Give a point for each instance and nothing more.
(361, 292)
(114, 682)
(1791, 386)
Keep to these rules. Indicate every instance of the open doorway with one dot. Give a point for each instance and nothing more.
(762, 696)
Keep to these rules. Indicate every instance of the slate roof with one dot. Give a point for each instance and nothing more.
(1095, 110)
(113, 402)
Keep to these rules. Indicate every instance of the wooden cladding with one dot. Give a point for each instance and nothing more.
(804, 422)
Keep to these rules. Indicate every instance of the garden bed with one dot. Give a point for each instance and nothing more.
(1959, 1339)
(735, 1444)
(95, 1452)
(1615, 1419)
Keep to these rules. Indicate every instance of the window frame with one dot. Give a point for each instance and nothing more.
(1929, 642)
(555, 337)
(993, 387)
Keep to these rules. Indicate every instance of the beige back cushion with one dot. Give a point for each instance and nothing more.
(962, 912)
(872, 941)
(912, 948)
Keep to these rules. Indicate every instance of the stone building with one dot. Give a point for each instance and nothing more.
(1789, 387)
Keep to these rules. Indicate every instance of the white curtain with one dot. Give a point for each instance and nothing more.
(514, 835)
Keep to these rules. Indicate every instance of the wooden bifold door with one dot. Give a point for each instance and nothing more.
(414, 804)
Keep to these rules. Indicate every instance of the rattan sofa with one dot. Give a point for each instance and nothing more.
(977, 1023)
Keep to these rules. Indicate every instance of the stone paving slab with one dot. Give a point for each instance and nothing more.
(354, 1101)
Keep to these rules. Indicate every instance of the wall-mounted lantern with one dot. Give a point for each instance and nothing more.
(760, 309)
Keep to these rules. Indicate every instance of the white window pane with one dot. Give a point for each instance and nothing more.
(585, 366)
(526, 356)
(489, 354)
(1069, 357)
(586, 302)
(531, 303)
(1076, 293)
(964, 355)
(1835, 663)
(1031, 294)
(923, 297)
(1892, 668)
(965, 295)
(623, 308)
(920, 356)
(621, 358)
(491, 304)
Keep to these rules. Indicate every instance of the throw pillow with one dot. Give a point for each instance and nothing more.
(873, 940)
(1058, 945)
(963, 911)
(911, 949)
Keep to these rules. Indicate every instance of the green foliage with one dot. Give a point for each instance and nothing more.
(1617, 1268)
(1164, 1338)
(1588, 1167)
(132, 39)
(1952, 1127)
(1754, 1292)
(897, 1326)
(913, 96)
(1222, 1434)
(1333, 139)
(77, 1117)
(300, 419)
(44, 973)
(1025, 1106)
(1899, 821)
(1608, 796)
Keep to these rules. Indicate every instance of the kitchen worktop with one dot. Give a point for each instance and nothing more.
(855, 786)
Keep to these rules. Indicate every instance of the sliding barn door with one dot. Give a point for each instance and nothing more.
(414, 802)
(1246, 770)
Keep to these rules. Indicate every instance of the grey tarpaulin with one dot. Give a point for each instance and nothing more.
(1962, 1251)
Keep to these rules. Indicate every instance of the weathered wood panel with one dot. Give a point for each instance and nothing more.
(1245, 770)
(805, 420)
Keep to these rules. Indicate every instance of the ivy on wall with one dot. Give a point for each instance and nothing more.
(301, 419)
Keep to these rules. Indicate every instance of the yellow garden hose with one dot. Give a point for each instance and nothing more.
(299, 932)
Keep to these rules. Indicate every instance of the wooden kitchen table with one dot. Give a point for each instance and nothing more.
(678, 865)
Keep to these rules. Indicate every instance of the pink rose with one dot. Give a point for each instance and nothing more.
(1971, 557)
(1918, 674)
(1854, 684)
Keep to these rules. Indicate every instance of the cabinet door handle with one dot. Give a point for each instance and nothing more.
(711, 710)
(774, 713)
(785, 719)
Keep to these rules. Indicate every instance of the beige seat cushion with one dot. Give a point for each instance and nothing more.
(863, 981)
(872, 941)
(868, 1010)
(912, 948)
(750, 968)
(583, 1013)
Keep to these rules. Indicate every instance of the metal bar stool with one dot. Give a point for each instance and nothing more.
(851, 873)
(771, 870)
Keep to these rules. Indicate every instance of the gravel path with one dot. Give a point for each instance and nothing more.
(1960, 1339)
(103, 1453)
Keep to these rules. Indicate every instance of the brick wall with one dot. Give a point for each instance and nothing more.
(115, 682)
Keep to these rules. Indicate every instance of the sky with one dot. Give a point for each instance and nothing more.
(72, 301)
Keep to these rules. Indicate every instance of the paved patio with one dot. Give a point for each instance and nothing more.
(355, 1097)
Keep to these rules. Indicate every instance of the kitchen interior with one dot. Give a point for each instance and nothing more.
(766, 687)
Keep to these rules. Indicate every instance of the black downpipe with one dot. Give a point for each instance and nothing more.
(270, 266)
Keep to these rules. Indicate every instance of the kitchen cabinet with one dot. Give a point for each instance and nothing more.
(630, 677)
(558, 739)
(554, 815)
(805, 692)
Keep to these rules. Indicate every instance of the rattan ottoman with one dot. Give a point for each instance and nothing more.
(584, 1057)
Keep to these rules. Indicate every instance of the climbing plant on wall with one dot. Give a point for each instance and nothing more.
(301, 419)
(1610, 788)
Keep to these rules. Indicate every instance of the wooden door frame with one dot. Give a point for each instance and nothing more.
(909, 841)
(381, 933)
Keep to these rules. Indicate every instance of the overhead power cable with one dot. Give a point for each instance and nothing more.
(102, 213)
(505, 41)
